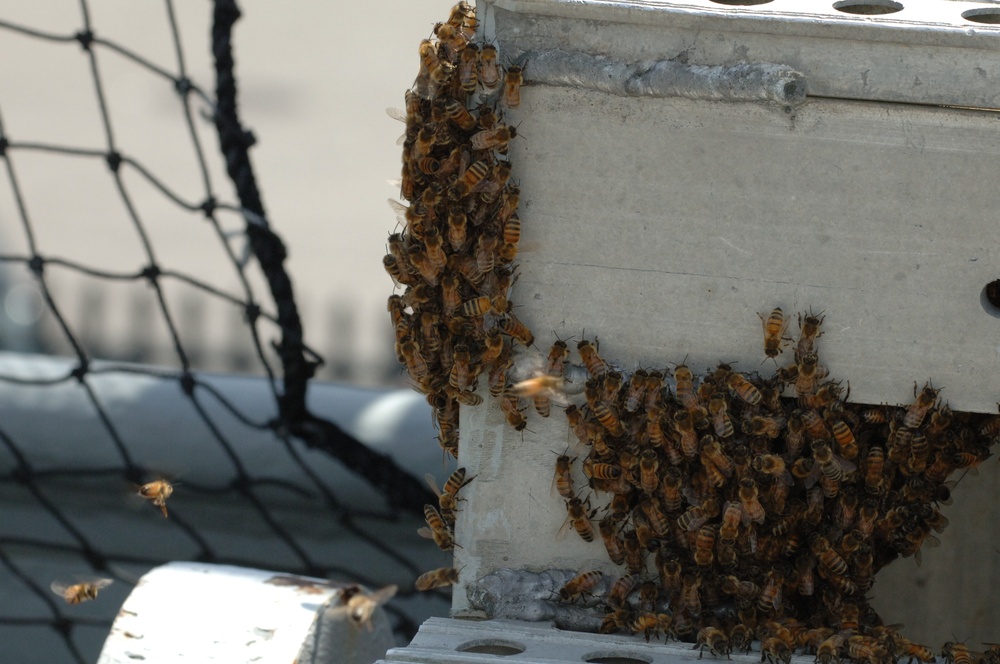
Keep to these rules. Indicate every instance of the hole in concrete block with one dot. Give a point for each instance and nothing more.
(611, 658)
(988, 15)
(990, 298)
(867, 7)
(492, 647)
(741, 2)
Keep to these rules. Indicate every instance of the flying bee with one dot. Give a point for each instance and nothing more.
(438, 578)
(582, 583)
(82, 591)
(774, 327)
(157, 493)
(361, 605)
(717, 406)
(611, 542)
(579, 519)
(916, 412)
(437, 529)
(493, 139)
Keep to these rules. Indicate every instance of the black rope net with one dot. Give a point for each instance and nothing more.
(298, 522)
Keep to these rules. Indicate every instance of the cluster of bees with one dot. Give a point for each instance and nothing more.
(741, 508)
(741, 514)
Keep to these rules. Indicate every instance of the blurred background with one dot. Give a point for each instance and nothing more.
(314, 80)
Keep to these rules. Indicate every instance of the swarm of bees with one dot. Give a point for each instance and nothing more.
(740, 507)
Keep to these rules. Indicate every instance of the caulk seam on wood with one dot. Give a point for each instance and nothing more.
(745, 82)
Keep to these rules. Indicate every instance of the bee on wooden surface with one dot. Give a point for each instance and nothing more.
(489, 68)
(715, 640)
(497, 138)
(916, 411)
(512, 412)
(616, 553)
(361, 605)
(468, 69)
(578, 517)
(562, 482)
(82, 591)
(512, 81)
(580, 584)
(437, 578)
(157, 492)
(516, 330)
(437, 529)
(774, 327)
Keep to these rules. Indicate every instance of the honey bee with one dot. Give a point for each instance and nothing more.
(580, 584)
(919, 450)
(808, 376)
(774, 327)
(740, 638)
(689, 594)
(461, 375)
(916, 412)
(611, 542)
(714, 639)
(608, 418)
(828, 652)
(752, 509)
(644, 532)
(636, 390)
(743, 590)
(649, 465)
(634, 560)
(516, 330)
(157, 493)
(832, 467)
(468, 69)
(773, 465)
(704, 542)
(671, 490)
(684, 426)
(83, 591)
(659, 520)
(438, 578)
(805, 582)
(764, 426)
(563, 480)
(596, 366)
(512, 81)
(808, 333)
(437, 529)
(579, 519)
(866, 648)
(459, 115)
(489, 69)
(874, 466)
(720, 418)
(647, 623)
(512, 412)
(448, 496)
(697, 516)
(829, 558)
(494, 139)
(915, 651)
(621, 589)
(732, 516)
(470, 178)
(845, 439)
(743, 388)
(361, 606)
(769, 599)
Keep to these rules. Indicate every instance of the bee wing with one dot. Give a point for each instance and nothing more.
(564, 528)
(101, 582)
(383, 595)
(426, 533)
(846, 465)
(396, 114)
(60, 588)
(433, 484)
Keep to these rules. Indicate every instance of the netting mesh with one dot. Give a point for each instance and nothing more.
(277, 528)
